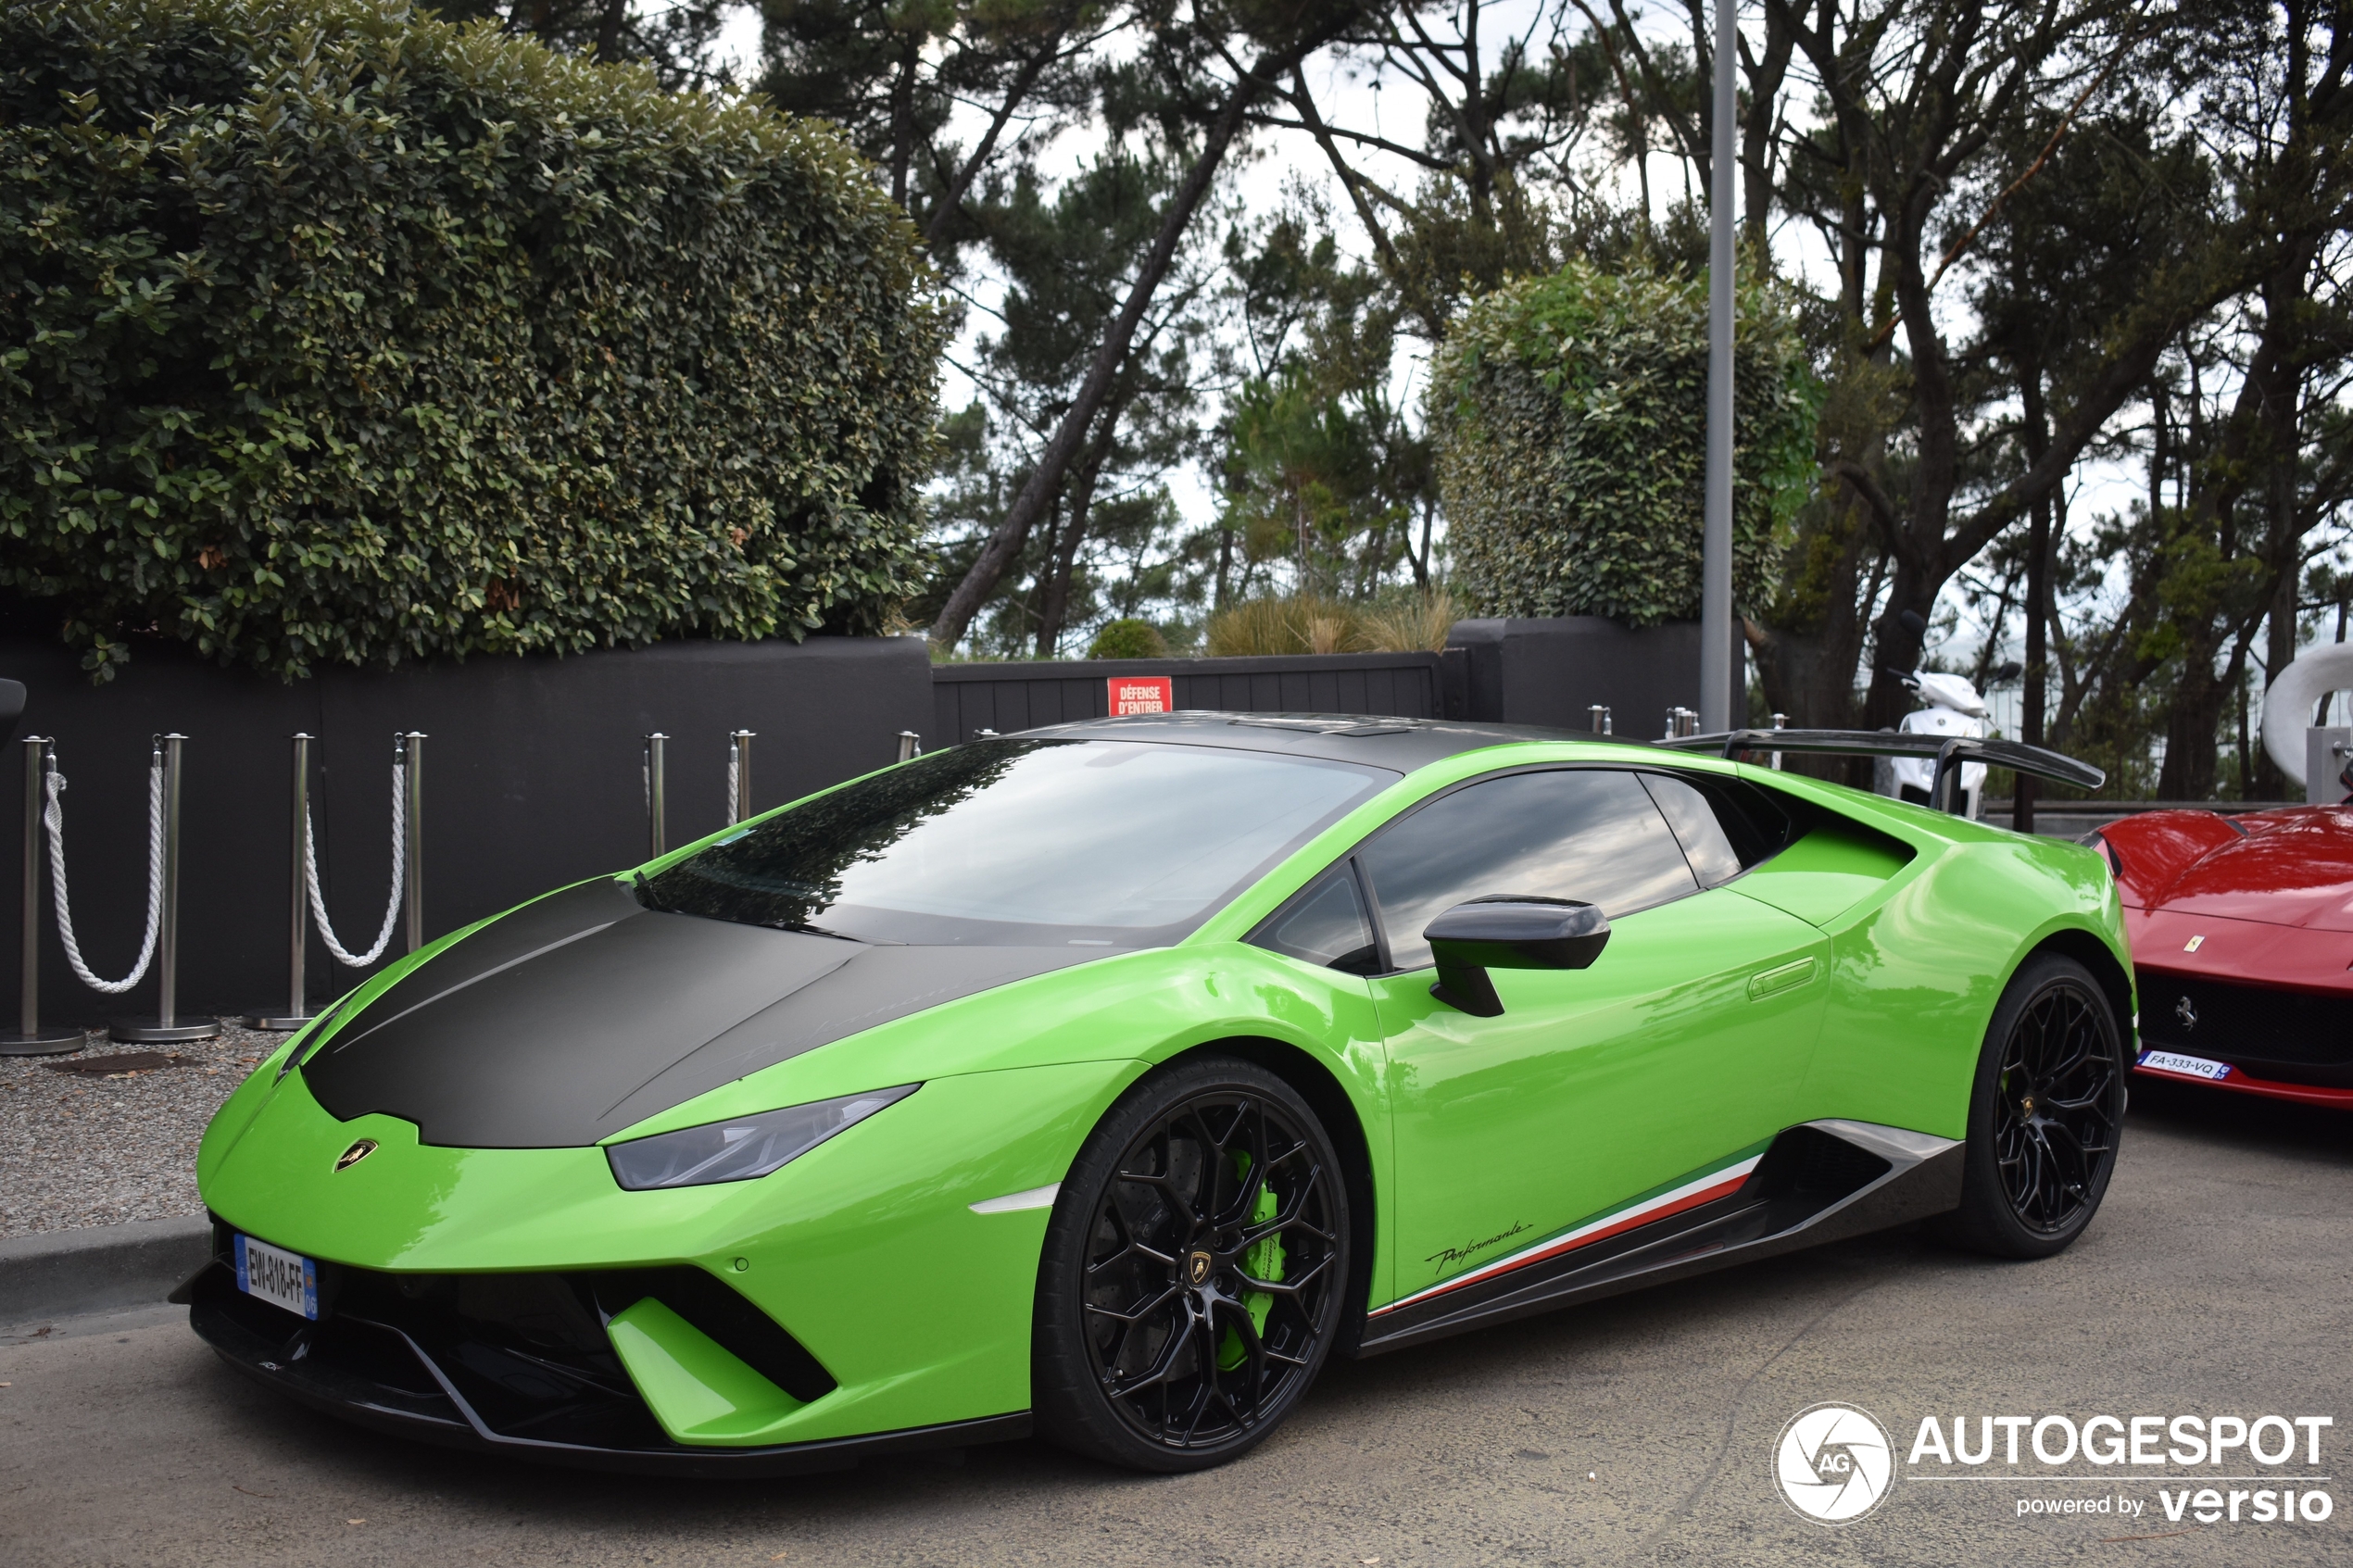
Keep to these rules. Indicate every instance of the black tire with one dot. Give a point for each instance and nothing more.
(2046, 1115)
(1194, 1273)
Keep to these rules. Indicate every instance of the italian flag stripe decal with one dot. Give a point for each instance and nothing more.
(1720, 1182)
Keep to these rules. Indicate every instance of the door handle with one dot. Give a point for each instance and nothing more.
(1784, 977)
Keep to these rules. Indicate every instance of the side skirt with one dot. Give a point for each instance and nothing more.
(1820, 1182)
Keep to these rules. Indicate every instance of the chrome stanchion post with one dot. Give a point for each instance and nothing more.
(29, 1014)
(911, 745)
(167, 1026)
(412, 867)
(739, 776)
(298, 1012)
(657, 809)
(28, 1038)
(1598, 716)
(167, 946)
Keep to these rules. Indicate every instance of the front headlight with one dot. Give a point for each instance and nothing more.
(745, 1149)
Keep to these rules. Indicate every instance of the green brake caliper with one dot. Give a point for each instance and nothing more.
(1264, 1261)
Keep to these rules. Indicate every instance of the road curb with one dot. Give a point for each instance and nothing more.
(98, 1268)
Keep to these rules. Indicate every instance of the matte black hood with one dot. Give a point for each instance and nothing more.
(582, 1013)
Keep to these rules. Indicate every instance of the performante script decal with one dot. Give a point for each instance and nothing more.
(1450, 1255)
(1721, 1181)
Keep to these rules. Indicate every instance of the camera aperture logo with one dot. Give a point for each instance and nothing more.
(1834, 1463)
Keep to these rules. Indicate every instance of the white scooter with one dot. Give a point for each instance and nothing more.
(1954, 708)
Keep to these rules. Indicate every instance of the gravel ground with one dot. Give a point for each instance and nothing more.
(80, 1150)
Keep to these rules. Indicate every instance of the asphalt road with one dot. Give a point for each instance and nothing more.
(2218, 1279)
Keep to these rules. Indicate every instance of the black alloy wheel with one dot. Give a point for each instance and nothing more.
(2046, 1116)
(1194, 1271)
(2056, 1108)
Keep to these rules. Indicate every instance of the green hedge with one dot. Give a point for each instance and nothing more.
(1570, 412)
(329, 334)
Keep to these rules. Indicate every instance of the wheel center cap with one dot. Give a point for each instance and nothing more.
(1198, 1267)
(2026, 1106)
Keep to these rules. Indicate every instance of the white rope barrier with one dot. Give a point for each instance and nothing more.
(53, 817)
(392, 906)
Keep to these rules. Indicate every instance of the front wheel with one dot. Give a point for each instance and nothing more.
(2045, 1114)
(1193, 1273)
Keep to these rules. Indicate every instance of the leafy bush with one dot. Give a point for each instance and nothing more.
(1571, 416)
(1128, 637)
(331, 334)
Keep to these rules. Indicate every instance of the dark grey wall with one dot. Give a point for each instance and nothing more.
(1553, 671)
(533, 779)
(968, 698)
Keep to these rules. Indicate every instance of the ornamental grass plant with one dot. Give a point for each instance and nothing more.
(1313, 623)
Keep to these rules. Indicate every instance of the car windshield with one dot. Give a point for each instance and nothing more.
(1022, 843)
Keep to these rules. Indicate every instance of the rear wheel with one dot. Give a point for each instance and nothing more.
(1193, 1271)
(2044, 1116)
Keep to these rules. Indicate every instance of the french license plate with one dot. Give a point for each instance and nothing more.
(280, 1277)
(2195, 1066)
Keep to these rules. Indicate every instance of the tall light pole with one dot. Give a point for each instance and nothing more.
(1716, 693)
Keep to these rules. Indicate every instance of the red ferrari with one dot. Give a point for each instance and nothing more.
(2242, 931)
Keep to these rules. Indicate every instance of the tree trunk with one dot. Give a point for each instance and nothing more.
(902, 116)
(1809, 672)
(1054, 598)
(1005, 543)
(2038, 598)
(1896, 646)
(1757, 139)
(2260, 777)
(2193, 722)
(951, 200)
(2259, 450)
(2246, 762)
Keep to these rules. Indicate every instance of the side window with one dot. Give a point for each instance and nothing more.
(1584, 833)
(1697, 828)
(1326, 926)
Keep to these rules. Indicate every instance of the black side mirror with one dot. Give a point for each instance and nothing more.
(1509, 931)
(2008, 670)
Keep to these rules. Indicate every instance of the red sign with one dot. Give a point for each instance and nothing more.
(1141, 694)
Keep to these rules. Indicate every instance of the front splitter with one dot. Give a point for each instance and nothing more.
(323, 1387)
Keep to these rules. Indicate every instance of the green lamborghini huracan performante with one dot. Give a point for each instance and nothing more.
(1102, 1081)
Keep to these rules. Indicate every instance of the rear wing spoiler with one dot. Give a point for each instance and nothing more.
(1949, 752)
